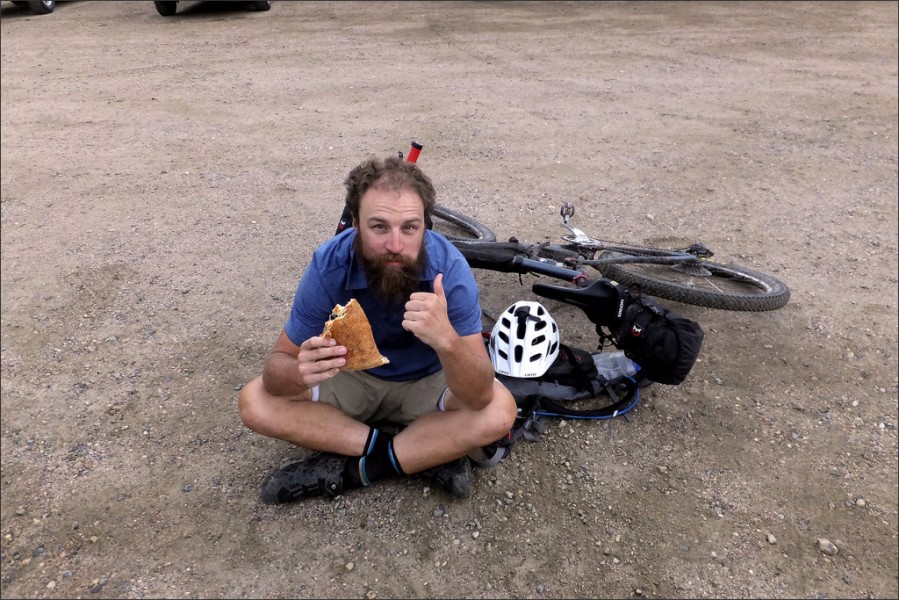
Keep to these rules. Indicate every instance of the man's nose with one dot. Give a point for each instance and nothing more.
(394, 242)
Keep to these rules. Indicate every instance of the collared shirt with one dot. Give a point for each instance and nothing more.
(336, 275)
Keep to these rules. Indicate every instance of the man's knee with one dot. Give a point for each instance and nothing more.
(506, 407)
(248, 404)
(499, 416)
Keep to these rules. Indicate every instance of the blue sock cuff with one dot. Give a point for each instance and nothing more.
(370, 443)
(362, 474)
(393, 459)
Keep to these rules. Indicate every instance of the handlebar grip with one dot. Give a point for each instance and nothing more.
(414, 152)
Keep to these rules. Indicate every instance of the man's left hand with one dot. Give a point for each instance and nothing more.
(426, 317)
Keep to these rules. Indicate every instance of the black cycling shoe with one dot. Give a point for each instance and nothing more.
(454, 477)
(319, 475)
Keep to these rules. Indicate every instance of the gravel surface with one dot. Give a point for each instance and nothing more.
(164, 181)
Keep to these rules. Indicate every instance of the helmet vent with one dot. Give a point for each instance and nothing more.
(522, 318)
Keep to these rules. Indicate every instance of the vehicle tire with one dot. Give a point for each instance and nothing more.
(726, 287)
(262, 6)
(42, 7)
(456, 226)
(166, 9)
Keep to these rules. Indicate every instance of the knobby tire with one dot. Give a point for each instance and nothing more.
(460, 226)
(727, 287)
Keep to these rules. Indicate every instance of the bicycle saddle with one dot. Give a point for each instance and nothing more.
(602, 300)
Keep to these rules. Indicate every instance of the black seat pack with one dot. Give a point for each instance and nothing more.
(664, 344)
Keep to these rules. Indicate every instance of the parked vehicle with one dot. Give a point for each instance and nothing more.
(39, 7)
(167, 9)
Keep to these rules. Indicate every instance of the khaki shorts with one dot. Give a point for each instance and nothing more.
(369, 399)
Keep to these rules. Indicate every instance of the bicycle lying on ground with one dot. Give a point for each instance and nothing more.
(686, 275)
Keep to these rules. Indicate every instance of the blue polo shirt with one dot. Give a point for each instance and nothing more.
(335, 275)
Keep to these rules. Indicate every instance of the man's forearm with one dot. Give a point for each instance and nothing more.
(279, 376)
(468, 376)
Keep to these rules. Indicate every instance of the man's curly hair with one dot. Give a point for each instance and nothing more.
(392, 173)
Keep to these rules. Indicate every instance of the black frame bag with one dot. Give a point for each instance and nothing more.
(664, 344)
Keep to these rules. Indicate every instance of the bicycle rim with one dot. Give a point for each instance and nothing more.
(457, 226)
(711, 284)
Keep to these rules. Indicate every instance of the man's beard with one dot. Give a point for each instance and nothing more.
(392, 283)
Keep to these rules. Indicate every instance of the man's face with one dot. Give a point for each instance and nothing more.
(390, 238)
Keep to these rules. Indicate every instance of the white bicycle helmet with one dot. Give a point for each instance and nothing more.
(524, 341)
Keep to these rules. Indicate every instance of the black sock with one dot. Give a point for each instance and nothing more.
(377, 441)
(381, 464)
(378, 462)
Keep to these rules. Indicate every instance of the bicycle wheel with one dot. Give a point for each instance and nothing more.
(702, 282)
(456, 226)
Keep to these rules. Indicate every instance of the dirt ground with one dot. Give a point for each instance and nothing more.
(164, 181)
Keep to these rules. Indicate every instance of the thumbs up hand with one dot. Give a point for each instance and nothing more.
(426, 317)
(438, 287)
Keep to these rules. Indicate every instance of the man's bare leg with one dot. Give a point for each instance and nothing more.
(432, 440)
(440, 437)
(300, 421)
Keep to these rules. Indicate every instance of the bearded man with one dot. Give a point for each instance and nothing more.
(422, 301)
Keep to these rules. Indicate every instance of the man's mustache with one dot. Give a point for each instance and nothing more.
(383, 259)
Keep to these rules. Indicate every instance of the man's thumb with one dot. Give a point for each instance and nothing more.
(438, 286)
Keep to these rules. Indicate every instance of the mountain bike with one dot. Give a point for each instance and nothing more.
(687, 275)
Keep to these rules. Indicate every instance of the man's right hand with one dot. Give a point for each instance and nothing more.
(319, 359)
